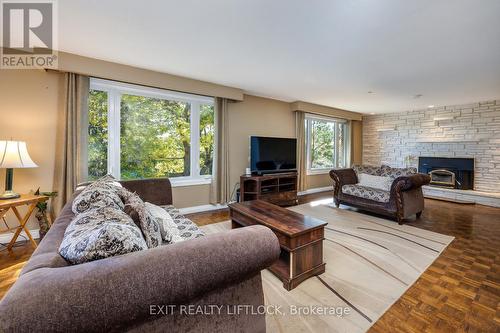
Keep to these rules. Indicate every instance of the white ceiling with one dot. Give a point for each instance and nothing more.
(329, 52)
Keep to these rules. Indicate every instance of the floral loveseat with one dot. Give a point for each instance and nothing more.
(400, 197)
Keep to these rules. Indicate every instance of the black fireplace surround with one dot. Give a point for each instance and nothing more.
(463, 169)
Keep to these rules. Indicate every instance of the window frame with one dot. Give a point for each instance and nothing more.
(114, 92)
(347, 143)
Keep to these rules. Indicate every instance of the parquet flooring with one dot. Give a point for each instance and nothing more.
(459, 292)
(11, 264)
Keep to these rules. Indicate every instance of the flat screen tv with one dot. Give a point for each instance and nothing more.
(272, 155)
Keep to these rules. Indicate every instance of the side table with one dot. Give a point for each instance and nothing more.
(30, 200)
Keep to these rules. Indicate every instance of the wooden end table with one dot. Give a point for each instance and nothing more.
(30, 200)
(301, 239)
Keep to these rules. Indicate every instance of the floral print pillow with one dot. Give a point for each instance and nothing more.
(101, 193)
(100, 233)
(150, 227)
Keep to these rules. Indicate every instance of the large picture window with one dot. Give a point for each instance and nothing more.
(137, 132)
(327, 144)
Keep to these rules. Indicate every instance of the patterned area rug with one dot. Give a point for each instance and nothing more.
(370, 263)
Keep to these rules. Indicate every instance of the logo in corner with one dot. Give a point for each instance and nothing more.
(29, 34)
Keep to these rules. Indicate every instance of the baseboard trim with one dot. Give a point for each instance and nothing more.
(316, 190)
(201, 209)
(7, 236)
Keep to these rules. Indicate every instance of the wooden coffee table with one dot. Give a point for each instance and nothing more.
(301, 239)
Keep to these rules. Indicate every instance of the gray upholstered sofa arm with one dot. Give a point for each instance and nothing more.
(112, 293)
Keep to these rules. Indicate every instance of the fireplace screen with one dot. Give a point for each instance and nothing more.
(442, 177)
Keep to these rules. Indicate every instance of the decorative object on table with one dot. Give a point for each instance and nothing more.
(30, 200)
(13, 154)
(41, 215)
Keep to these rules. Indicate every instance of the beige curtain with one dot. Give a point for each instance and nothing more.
(300, 132)
(220, 191)
(72, 139)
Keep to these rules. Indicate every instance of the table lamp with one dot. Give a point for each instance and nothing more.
(13, 154)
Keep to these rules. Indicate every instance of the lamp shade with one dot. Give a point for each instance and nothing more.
(14, 154)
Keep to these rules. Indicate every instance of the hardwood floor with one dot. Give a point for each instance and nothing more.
(11, 264)
(459, 292)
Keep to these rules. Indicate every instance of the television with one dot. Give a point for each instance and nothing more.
(272, 155)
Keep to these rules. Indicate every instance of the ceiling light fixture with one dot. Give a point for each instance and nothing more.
(430, 106)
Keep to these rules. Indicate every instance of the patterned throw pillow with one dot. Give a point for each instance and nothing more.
(187, 228)
(366, 192)
(168, 229)
(367, 169)
(101, 193)
(377, 182)
(100, 233)
(394, 173)
(136, 208)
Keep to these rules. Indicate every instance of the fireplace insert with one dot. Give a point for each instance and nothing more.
(443, 177)
(448, 172)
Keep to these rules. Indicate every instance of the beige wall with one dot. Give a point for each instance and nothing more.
(357, 141)
(189, 196)
(28, 112)
(255, 116)
(260, 116)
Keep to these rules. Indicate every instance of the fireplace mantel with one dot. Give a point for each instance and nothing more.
(446, 141)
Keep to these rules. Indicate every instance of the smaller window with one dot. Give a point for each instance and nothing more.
(327, 144)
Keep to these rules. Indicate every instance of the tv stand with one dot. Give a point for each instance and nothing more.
(278, 188)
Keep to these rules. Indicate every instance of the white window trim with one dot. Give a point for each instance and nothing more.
(321, 171)
(312, 172)
(116, 89)
(190, 181)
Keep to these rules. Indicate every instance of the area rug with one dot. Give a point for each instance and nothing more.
(370, 263)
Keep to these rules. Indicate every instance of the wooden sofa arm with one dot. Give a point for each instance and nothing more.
(342, 177)
(406, 183)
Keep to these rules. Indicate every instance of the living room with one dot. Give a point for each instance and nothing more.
(358, 164)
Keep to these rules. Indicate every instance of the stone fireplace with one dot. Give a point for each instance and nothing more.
(469, 130)
(450, 172)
